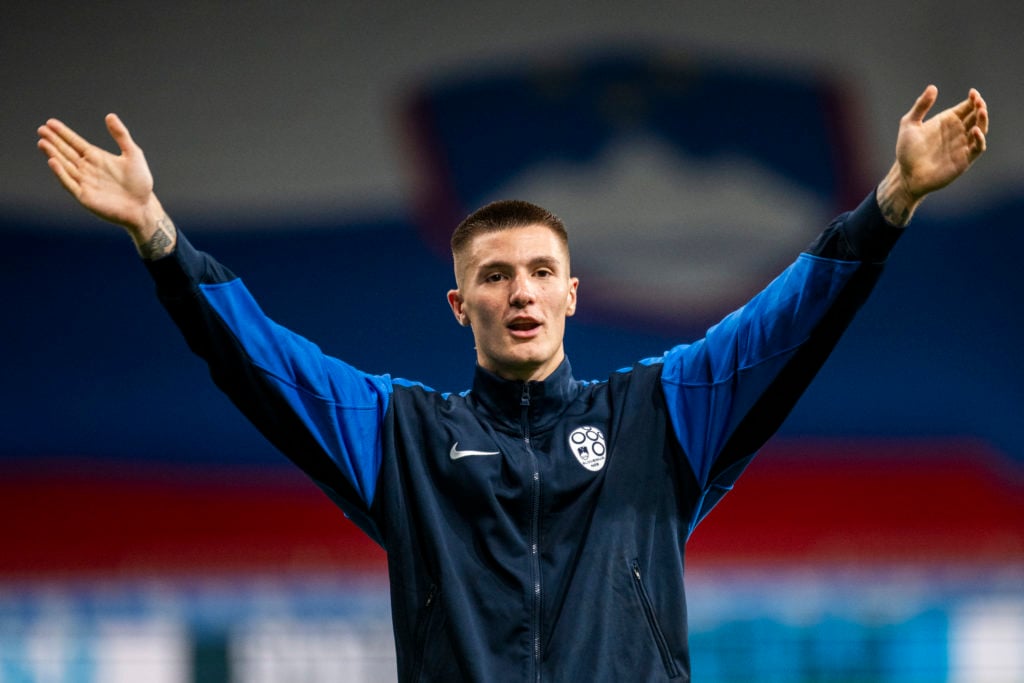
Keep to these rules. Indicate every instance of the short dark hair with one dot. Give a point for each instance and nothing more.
(502, 215)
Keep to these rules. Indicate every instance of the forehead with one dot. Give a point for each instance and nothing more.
(515, 245)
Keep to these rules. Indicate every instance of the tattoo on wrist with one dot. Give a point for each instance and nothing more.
(895, 208)
(159, 244)
(893, 215)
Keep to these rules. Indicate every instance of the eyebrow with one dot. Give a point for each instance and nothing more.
(549, 261)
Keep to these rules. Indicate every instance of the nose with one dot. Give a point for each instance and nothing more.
(521, 294)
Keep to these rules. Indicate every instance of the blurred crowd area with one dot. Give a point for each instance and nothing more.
(790, 627)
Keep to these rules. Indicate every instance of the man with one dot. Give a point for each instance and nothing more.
(535, 525)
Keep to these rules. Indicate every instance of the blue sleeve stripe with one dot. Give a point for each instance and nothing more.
(711, 385)
(340, 407)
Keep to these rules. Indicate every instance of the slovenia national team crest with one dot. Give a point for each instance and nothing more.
(587, 444)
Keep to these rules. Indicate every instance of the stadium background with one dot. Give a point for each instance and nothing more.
(323, 151)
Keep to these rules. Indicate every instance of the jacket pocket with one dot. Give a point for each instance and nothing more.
(424, 625)
(652, 621)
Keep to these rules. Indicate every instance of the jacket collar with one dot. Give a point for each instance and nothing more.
(547, 399)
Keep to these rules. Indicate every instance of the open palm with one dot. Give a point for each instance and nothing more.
(117, 188)
(931, 154)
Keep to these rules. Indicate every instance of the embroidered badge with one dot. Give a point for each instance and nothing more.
(587, 444)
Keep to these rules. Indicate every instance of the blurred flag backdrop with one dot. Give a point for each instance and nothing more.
(150, 534)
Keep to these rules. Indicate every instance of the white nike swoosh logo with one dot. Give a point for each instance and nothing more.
(455, 453)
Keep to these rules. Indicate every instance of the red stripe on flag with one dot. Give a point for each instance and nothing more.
(857, 502)
(819, 502)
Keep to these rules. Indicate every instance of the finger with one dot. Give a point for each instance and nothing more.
(60, 170)
(923, 104)
(68, 167)
(120, 133)
(979, 143)
(58, 143)
(53, 147)
(965, 109)
(982, 109)
(971, 119)
(976, 114)
(73, 139)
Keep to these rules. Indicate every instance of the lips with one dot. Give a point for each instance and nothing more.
(523, 327)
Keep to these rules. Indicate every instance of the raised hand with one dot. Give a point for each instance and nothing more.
(932, 153)
(117, 188)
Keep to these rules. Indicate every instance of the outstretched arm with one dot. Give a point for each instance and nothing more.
(117, 188)
(323, 414)
(931, 154)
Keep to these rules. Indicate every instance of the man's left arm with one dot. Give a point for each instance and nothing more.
(731, 390)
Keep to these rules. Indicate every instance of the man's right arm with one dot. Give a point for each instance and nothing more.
(323, 414)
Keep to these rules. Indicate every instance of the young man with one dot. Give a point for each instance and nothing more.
(535, 525)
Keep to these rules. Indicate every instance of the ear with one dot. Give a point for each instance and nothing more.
(570, 308)
(458, 309)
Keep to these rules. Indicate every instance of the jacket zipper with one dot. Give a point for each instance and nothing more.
(652, 621)
(534, 530)
(424, 631)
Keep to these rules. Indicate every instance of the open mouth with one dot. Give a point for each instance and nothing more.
(523, 328)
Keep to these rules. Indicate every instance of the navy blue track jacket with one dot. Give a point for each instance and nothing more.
(535, 531)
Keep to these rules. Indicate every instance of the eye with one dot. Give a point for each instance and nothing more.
(494, 277)
(544, 272)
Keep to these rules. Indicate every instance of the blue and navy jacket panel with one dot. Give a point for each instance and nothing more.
(535, 531)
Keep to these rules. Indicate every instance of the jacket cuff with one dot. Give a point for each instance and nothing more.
(868, 234)
(178, 272)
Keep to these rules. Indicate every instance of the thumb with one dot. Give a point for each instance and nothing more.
(923, 104)
(120, 133)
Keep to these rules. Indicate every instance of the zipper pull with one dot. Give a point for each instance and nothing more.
(524, 403)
